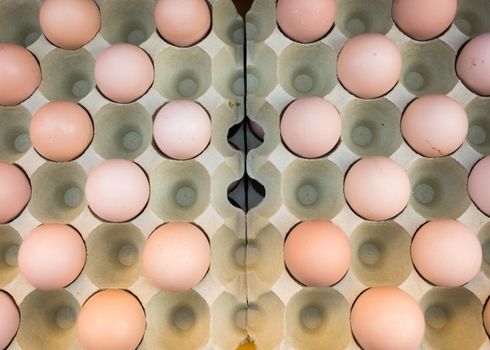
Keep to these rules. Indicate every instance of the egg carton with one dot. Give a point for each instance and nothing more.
(210, 316)
(283, 314)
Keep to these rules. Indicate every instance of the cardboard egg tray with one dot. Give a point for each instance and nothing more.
(283, 314)
(212, 315)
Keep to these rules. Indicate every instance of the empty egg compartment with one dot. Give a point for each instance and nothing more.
(297, 189)
(211, 315)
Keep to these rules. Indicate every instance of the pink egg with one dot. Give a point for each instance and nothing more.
(52, 256)
(20, 74)
(9, 319)
(305, 21)
(117, 190)
(317, 253)
(176, 256)
(124, 72)
(387, 318)
(15, 191)
(369, 65)
(478, 187)
(446, 253)
(473, 64)
(182, 22)
(434, 125)
(61, 130)
(424, 19)
(310, 127)
(182, 129)
(377, 188)
(111, 319)
(69, 24)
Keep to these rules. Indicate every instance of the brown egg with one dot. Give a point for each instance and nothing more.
(317, 253)
(424, 19)
(369, 65)
(305, 21)
(377, 188)
(61, 130)
(69, 24)
(9, 319)
(112, 319)
(52, 256)
(434, 125)
(478, 188)
(124, 72)
(117, 190)
(310, 127)
(20, 74)
(473, 64)
(387, 318)
(176, 256)
(182, 129)
(15, 191)
(486, 318)
(446, 253)
(182, 22)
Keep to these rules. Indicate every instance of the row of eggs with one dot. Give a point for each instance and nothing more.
(176, 257)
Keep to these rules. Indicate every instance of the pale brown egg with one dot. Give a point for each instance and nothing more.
(424, 19)
(9, 319)
(124, 72)
(182, 22)
(310, 127)
(478, 187)
(176, 256)
(112, 319)
(369, 65)
(69, 24)
(317, 253)
(434, 125)
(15, 191)
(20, 74)
(377, 188)
(305, 21)
(182, 129)
(61, 130)
(52, 256)
(387, 318)
(446, 253)
(473, 64)
(117, 190)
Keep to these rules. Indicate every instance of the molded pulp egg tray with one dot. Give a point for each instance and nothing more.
(247, 291)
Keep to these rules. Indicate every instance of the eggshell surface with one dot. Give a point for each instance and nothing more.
(486, 318)
(15, 191)
(52, 256)
(434, 125)
(317, 253)
(20, 74)
(112, 319)
(305, 21)
(182, 22)
(176, 256)
(69, 24)
(473, 64)
(310, 127)
(61, 130)
(9, 319)
(446, 253)
(387, 318)
(424, 19)
(117, 190)
(124, 72)
(377, 188)
(369, 65)
(478, 187)
(182, 129)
